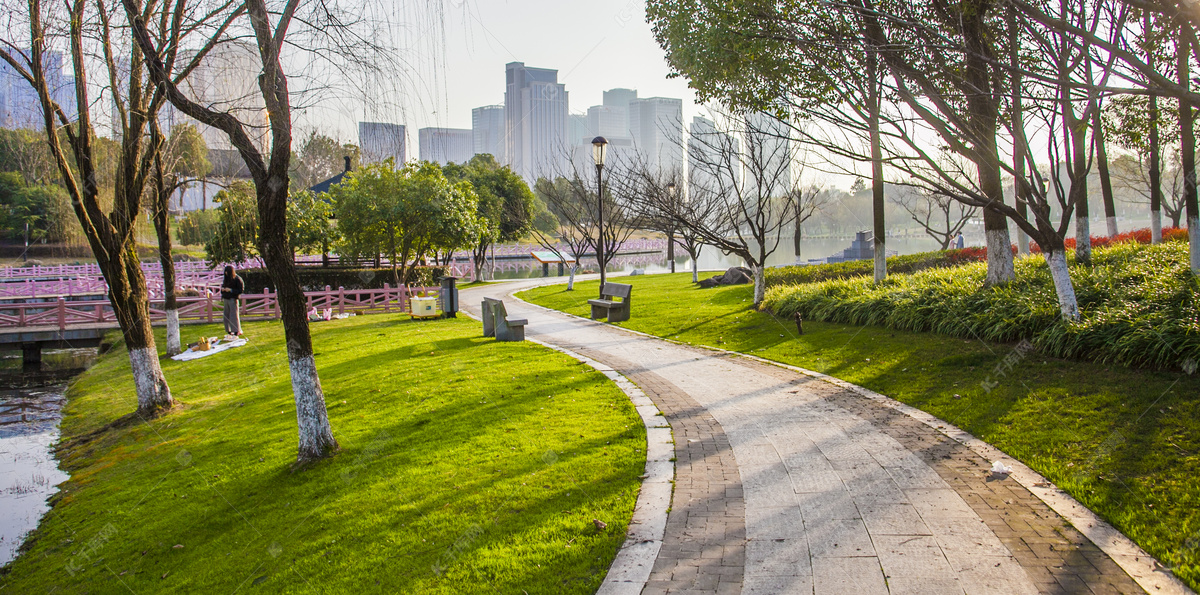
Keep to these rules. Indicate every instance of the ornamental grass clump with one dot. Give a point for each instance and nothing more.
(1138, 305)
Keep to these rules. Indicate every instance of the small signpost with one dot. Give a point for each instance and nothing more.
(547, 258)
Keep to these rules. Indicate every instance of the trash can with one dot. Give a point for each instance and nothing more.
(449, 297)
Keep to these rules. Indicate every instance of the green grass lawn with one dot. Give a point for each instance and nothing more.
(1123, 441)
(466, 465)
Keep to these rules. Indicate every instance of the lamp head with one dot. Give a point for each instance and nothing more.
(599, 149)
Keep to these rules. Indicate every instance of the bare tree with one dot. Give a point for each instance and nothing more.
(571, 199)
(747, 202)
(91, 32)
(939, 215)
(659, 197)
(270, 30)
(569, 242)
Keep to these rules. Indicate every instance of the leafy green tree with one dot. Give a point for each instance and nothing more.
(198, 227)
(236, 236)
(319, 158)
(506, 204)
(309, 226)
(405, 213)
(33, 213)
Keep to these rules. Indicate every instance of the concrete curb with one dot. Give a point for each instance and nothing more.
(635, 560)
(1148, 572)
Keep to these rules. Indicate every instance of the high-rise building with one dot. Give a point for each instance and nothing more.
(446, 145)
(616, 102)
(656, 124)
(578, 130)
(608, 121)
(379, 141)
(706, 144)
(487, 131)
(227, 80)
(20, 106)
(535, 111)
(770, 138)
(619, 97)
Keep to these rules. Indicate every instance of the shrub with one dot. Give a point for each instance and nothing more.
(1138, 305)
(1140, 236)
(198, 227)
(909, 263)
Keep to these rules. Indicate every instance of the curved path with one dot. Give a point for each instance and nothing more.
(790, 484)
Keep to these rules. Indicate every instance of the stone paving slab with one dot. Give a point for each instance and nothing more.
(786, 483)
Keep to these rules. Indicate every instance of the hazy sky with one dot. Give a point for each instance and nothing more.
(594, 46)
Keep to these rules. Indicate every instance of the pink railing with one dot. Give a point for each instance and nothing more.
(86, 279)
(64, 314)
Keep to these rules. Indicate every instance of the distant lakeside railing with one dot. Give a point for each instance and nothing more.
(64, 314)
(70, 280)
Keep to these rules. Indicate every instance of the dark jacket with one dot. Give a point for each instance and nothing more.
(235, 288)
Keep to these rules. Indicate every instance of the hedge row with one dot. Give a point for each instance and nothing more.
(912, 263)
(909, 263)
(1138, 305)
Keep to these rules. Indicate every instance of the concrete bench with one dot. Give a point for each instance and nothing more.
(496, 322)
(608, 306)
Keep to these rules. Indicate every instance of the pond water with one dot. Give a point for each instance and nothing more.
(29, 473)
(30, 411)
(712, 259)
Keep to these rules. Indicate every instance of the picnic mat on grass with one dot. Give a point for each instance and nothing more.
(190, 355)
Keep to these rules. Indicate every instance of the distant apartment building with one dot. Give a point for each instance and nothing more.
(619, 98)
(227, 80)
(19, 103)
(656, 125)
(579, 131)
(446, 145)
(706, 144)
(380, 140)
(771, 139)
(535, 111)
(608, 121)
(487, 131)
(620, 151)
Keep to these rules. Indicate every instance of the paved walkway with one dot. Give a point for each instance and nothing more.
(789, 484)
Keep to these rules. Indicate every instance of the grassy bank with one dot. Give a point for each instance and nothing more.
(1138, 305)
(1125, 442)
(467, 465)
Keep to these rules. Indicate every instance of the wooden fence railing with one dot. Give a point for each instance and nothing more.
(65, 314)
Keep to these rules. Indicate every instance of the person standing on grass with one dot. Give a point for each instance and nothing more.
(958, 241)
(231, 288)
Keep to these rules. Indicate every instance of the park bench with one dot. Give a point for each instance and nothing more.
(496, 322)
(608, 307)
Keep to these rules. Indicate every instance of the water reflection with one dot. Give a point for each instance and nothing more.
(29, 473)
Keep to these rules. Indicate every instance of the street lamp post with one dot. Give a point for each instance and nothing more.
(671, 231)
(599, 149)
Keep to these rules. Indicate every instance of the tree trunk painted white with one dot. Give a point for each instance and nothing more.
(1022, 242)
(1083, 240)
(1155, 227)
(174, 346)
(1000, 257)
(880, 261)
(695, 269)
(571, 278)
(1067, 304)
(760, 284)
(153, 394)
(1112, 227)
(1194, 244)
(316, 438)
